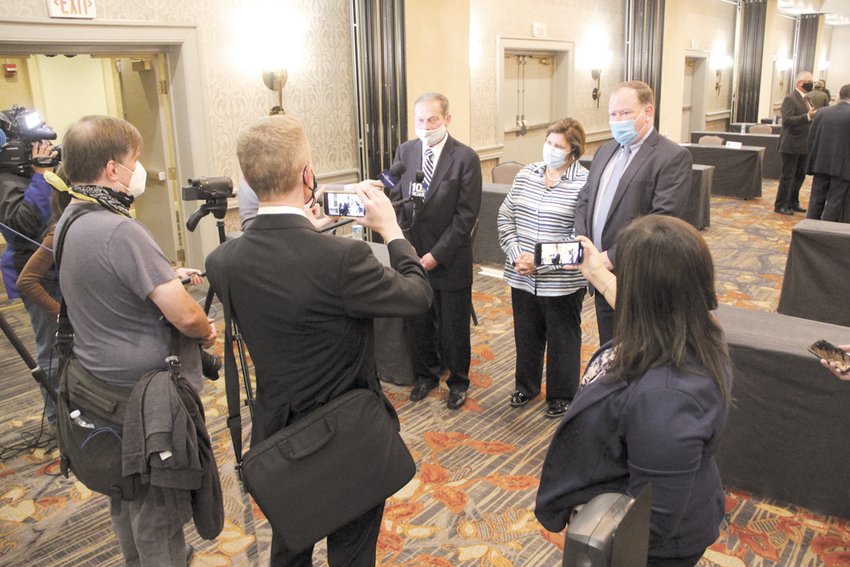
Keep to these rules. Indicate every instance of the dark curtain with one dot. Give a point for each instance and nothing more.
(806, 43)
(644, 42)
(380, 82)
(750, 55)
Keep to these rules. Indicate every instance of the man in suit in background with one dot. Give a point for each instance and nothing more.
(797, 114)
(440, 229)
(638, 173)
(829, 161)
(310, 335)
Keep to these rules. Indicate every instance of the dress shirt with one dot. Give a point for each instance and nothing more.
(436, 148)
(280, 210)
(609, 169)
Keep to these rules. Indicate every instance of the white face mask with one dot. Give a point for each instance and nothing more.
(554, 157)
(431, 137)
(137, 180)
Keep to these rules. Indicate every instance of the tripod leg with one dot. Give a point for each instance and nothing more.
(36, 371)
(243, 364)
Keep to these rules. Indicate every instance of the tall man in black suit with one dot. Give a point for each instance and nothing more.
(797, 114)
(440, 228)
(829, 161)
(638, 173)
(305, 302)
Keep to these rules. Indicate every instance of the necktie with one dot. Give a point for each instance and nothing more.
(428, 167)
(600, 216)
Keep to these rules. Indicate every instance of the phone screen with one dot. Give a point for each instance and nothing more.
(831, 353)
(343, 204)
(563, 253)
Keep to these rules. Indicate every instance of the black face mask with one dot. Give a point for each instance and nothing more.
(312, 188)
(808, 87)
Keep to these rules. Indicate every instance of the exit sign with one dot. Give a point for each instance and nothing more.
(71, 9)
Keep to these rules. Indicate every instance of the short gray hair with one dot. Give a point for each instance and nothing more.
(802, 74)
(444, 102)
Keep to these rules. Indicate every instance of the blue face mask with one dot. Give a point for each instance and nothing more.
(624, 131)
(554, 157)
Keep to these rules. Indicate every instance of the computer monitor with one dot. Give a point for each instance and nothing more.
(612, 530)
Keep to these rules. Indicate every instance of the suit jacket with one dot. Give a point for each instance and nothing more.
(793, 138)
(658, 180)
(617, 436)
(442, 225)
(305, 303)
(829, 142)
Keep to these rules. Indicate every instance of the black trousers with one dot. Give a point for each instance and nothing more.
(793, 174)
(604, 318)
(830, 198)
(352, 545)
(439, 338)
(675, 562)
(555, 321)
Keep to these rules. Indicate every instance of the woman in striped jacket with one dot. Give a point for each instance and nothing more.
(547, 299)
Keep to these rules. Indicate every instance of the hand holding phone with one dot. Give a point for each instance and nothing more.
(835, 358)
(342, 204)
(558, 253)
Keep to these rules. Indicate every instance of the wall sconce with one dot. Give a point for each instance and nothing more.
(717, 86)
(597, 93)
(276, 80)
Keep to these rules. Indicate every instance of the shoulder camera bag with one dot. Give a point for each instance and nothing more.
(324, 470)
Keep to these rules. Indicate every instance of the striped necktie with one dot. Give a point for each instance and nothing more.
(428, 167)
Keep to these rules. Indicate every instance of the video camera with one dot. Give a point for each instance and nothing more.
(215, 191)
(19, 129)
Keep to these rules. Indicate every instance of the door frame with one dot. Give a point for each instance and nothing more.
(180, 43)
(699, 86)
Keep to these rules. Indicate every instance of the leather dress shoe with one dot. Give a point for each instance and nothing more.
(557, 408)
(519, 399)
(798, 209)
(420, 390)
(783, 211)
(455, 399)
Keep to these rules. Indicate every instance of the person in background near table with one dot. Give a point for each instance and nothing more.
(652, 407)
(820, 87)
(834, 369)
(829, 161)
(546, 300)
(638, 173)
(819, 97)
(38, 279)
(440, 229)
(797, 114)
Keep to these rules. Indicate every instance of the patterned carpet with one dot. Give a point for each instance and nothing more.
(472, 499)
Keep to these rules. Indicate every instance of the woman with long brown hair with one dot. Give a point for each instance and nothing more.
(653, 402)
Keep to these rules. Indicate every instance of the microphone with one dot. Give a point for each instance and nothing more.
(417, 190)
(389, 177)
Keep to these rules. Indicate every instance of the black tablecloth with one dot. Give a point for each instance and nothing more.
(817, 273)
(737, 173)
(392, 358)
(736, 127)
(772, 164)
(486, 249)
(698, 212)
(788, 434)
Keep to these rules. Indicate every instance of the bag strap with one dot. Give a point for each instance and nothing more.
(64, 342)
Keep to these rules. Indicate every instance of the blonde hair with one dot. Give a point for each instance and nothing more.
(272, 154)
(643, 91)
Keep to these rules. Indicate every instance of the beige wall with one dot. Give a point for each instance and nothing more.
(701, 26)
(235, 37)
(437, 51)
(16, 90)
(839, 68)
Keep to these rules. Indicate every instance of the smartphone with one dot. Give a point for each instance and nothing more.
(831, 353)
(559, 253)
(343, 204)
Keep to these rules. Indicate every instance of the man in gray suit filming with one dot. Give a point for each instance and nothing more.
(637, 173)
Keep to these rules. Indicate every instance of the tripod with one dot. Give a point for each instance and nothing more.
(218, 208)
(36, 371)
